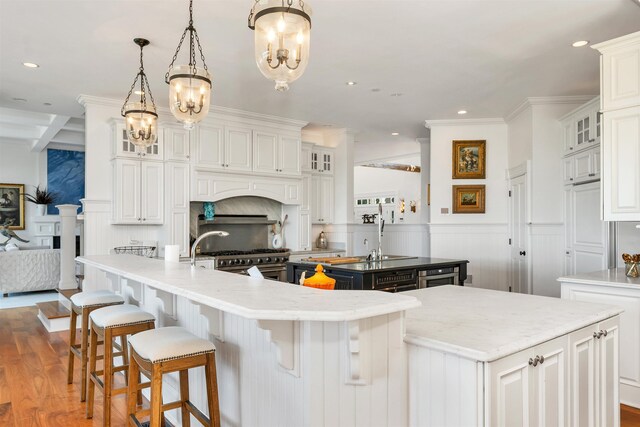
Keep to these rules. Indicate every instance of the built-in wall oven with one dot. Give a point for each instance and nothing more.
(438, 277)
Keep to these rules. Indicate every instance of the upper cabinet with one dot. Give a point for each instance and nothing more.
(322, 160)
(138, 192)
(305, 159)
(581, 128)
(176, 141)
(122, 148)
(275, 154)
(620, 90)
(222, 147)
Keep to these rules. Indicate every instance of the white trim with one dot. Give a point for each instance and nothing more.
(628, 39)
(464, 122)
(387, 159)
(547, 100)
(517, 171)
(95, 205)
(469, 228)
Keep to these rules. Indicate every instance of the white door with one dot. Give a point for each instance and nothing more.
(238, 148)
(589, 234)
(305, 231)
(518, 218)
(127, 192)
(152, 192)
(551, 379)
(208, 147)
(177, 212)
(582, 380)
(511, 390)
(608, 410)
(176, 142)
(289, 155)
(265, 152)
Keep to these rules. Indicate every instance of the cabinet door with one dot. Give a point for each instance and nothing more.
(511, 390)
(306, 193)
(582, 166)
(568, 170)
(608, 410)
(305, 159)
(265, 152)
(595, 163)
(589, 234)
(126, 192)
(289, 155)
(176, 142)
(327, 162)
(568, 135)
(314, 199)
(621, 77)
(582, 377)
(305, 231)
(621, 157)
(121, 145)
(177, 212)
(551, 384)
(208, 147)
(582, 129)
(238, 148)
(152, 192)
(326, 199)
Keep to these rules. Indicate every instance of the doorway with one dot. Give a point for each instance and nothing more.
(519, 253)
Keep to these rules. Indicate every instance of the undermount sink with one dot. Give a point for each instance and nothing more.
(387, 258)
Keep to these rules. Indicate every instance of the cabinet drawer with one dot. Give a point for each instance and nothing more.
(394, 279)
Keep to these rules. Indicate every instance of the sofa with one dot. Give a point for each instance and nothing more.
(29, 269)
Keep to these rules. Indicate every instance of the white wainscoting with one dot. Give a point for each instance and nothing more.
(546, 258)
(443, 389)
(398, 239)
(486, 246)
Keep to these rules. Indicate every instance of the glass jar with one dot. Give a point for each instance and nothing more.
(631, 269)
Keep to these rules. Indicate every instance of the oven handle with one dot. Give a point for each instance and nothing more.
(437, 277)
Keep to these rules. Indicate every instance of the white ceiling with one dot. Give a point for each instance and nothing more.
(482, 56)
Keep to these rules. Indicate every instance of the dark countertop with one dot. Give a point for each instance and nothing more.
(390, 264)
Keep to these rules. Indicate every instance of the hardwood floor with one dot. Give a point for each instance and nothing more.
(33, 379)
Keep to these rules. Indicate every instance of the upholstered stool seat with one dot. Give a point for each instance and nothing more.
(108, 323)
(164, 350)
(82, 304)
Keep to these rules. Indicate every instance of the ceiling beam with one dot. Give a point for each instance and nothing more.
(56, 124)
(69, 137)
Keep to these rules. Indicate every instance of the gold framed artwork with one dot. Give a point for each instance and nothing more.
(12, 206)
(468, 199)
(469, 159)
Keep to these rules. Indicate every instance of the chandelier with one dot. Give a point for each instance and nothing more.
(141, 120)
(282, 31)
(189, 85)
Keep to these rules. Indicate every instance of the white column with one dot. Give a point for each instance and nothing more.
(68, 215)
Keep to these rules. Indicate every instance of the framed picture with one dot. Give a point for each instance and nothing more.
(468, 198)
(468, 161)
(12, 206)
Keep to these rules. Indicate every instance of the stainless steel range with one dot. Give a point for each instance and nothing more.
(246, 246)
(270, 262)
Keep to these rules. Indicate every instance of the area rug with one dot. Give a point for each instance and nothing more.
(26, 299)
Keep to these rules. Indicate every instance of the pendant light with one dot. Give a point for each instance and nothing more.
(189, 85)
(282, 29)
(141, 120)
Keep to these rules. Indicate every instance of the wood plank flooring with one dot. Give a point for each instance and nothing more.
(33, 379)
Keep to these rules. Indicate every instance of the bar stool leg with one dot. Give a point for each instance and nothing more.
(108, 377)
(93, 352)
(125, 355)
(83, 353)
(212, 389)
(184, 397)
(133, 394)
(156, 396)
(72, 341)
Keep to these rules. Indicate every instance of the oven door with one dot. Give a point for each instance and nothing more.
(278, 273)
(437, 277)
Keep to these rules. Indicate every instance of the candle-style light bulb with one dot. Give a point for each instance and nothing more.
(281, 25)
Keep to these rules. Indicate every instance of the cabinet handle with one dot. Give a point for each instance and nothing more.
(534, 362)
(592, 174)
(523, 253)
(591, 140)
(604, 332)
(598, 334)
(541, 360)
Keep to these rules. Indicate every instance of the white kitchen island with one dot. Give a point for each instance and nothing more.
(482, 357)
(286, 355)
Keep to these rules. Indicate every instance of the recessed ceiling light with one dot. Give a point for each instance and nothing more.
(580, 43)
(396, 94)
(394, 134)
(462, 112)
(19, 99)
(30, 65)
(351, 83)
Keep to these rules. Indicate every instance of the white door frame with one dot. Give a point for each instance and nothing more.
(523, 169)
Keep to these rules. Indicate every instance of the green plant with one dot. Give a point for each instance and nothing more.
(42, 197)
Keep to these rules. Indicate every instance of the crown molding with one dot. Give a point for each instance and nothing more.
(629, 39)
(547, 100)
(225, 112)
(463, 122)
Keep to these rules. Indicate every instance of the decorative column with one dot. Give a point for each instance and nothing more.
(68, 216)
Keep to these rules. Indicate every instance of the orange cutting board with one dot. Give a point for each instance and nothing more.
(334, 260)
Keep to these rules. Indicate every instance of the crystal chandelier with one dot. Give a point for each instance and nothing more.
(282, 31)
(189, 85)
(141, 120)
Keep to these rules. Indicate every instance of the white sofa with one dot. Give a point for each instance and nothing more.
(29, 270)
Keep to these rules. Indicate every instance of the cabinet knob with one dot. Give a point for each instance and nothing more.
(598, 334)
(541, 360)
(144, 219)
(534, 362)
(570, 179)
(567, 252)
(570, 148)
(592, 174)
(139, 219)
(591, 140)
(604, 333)
(523, 253)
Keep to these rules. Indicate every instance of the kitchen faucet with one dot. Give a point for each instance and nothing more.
(380, 229)
(201, 237)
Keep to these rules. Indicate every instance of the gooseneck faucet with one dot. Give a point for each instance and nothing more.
(380, 229)
(201, 237)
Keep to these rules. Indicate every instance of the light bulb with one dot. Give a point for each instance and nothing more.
(281, 25)
(293, 54)
(202, 90)
(300, 37)
(271, 36)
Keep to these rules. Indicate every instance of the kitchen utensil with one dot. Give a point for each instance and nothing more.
(286, 217)
(277, 241)
(322, 242)
(631, 263)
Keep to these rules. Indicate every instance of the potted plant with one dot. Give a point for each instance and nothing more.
(41, 199)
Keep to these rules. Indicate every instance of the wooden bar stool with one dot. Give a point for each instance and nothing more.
(83, 304)
(165, 350)
(107, 323)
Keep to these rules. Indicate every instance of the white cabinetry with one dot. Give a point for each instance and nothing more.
(321, 199)
(594, 367)
(138, 192)
(276, 154)
(121, 147)
(305, 214)
(305, 158)
(176, 142)
(620, 91)
(530, 387)
(223, 148)
(628, 298)
(177, 203)
(581, 127)
(322, 160)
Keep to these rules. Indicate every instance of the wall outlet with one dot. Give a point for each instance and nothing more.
(444, 211)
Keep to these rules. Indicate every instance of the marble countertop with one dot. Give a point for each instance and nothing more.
(612, 277)
(248, 297)
(391, 264)
(486, 325)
